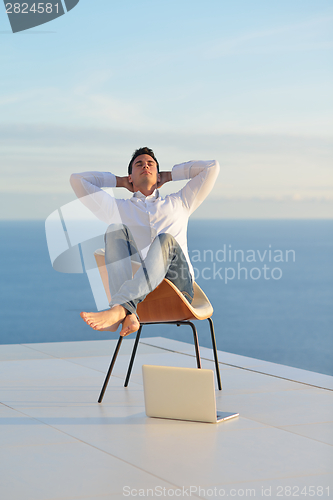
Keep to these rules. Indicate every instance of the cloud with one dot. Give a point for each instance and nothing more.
(40, 159)
(262, 176)
(79, 104)
(46, 135)
(303, 36)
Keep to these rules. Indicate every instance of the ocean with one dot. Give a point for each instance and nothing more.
(269, 281)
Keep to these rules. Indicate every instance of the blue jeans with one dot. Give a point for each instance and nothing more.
(165, 259)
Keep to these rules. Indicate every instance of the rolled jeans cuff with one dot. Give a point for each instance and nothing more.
(131, 307)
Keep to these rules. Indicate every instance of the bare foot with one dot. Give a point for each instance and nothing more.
(108, 320)
(130, 324)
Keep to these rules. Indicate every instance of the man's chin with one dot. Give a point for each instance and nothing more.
(145, 187)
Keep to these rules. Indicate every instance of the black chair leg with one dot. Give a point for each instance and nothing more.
(106, 381)
(133, 356)
(217, 368)
(196, 342)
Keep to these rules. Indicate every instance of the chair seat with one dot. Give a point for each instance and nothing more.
(167, 303)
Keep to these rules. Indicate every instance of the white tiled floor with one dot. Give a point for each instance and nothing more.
(57, 442)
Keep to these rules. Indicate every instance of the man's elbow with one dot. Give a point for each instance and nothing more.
(216, 166)
(73, 180)
(76, 183)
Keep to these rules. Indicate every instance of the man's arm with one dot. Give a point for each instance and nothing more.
(89, 183)
(88, 187)
(92, 182)
(202, 175)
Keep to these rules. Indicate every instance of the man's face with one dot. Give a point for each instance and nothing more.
(144, 173)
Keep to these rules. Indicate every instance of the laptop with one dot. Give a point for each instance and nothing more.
(181, 394)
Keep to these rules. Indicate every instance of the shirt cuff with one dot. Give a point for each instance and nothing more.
(181, 171)
(109, 180)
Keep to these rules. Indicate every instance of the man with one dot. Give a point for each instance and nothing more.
(146, 228)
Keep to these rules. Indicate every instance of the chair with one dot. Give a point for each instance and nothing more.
(153, 311)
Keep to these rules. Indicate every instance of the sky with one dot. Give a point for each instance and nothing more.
(246, 83)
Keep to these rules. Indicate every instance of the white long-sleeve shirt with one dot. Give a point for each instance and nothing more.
(148, 216)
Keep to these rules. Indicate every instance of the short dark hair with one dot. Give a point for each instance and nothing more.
(139, 152)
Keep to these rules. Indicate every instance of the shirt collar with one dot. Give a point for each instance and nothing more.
(152, 197)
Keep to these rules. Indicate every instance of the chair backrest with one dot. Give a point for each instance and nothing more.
(166, 302)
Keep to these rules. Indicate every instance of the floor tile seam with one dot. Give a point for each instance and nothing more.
(52, 356)
(278, 376)
(99, 371)
(30, 417)
(262, 390)
(71, 360)
(25, 414)
(281, 428)
(311, 423)
(273, 391)
(245, 368)
(76, 439)
(306, 437)
(7, 406)
(28, 346)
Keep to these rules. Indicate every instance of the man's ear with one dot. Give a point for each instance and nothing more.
(158, 178)
(130, 179)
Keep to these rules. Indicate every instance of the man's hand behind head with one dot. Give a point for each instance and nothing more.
(164, 177)
(125, 183)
